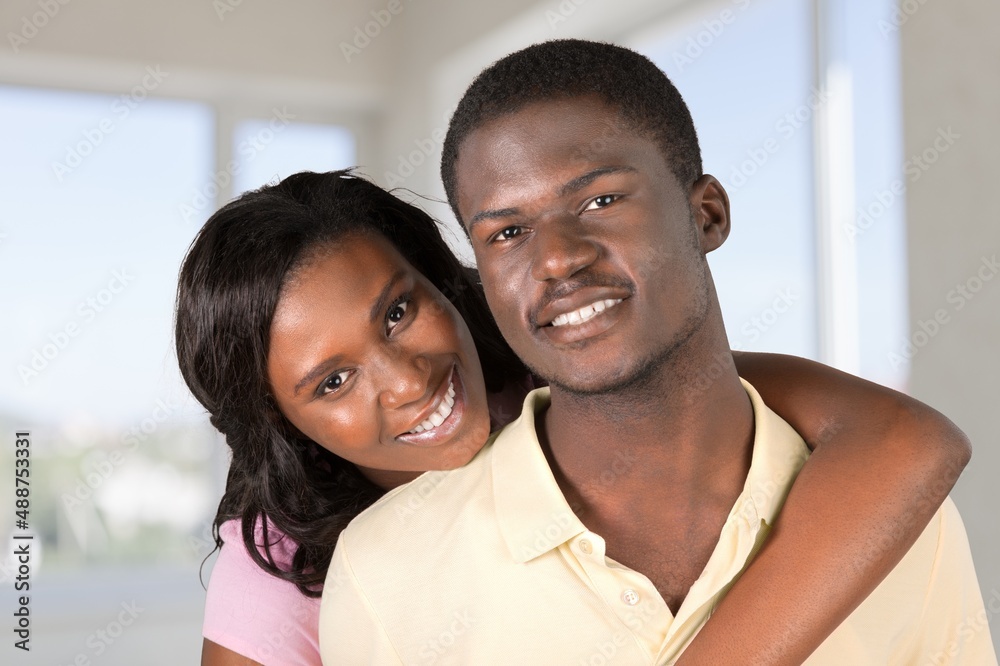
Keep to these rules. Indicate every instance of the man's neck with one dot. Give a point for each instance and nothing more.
(655, 470)
(685, 428)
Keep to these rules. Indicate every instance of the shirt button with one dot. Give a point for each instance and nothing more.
(630, 596)
(585, 547)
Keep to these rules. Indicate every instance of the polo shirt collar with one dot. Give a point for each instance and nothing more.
(532, 512)
(778, 454)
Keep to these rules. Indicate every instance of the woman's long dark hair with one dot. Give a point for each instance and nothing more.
(226, 297)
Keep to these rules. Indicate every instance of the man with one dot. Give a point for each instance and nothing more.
(582, 193)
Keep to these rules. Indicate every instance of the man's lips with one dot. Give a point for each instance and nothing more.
(579, 306)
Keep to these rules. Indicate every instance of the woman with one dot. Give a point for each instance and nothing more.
(337, 343)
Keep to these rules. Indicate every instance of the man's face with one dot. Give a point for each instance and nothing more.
(590, 255)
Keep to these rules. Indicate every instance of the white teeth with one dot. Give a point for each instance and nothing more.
(440, 414)
(585, 313)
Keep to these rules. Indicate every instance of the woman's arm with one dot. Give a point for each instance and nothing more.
(213, 654)
(881, 466)
(253, 617)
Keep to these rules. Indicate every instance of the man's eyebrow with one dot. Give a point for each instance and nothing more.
(581, 182)
(572, 186)
(378, 308)
(484, 215)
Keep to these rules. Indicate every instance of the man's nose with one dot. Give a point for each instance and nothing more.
(561, 248)
(405, 378)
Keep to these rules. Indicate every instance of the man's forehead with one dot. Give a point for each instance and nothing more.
(570, 134)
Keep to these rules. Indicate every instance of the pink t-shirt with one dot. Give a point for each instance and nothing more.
(255, 614)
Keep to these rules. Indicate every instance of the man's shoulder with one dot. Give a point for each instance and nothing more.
(423, 508)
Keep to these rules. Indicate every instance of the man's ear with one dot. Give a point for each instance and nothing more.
(710, 207)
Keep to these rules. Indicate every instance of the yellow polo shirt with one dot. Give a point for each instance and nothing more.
(488, 564)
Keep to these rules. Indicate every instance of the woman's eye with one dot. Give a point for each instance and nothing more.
(334, 382)
(395, 315)
(601, 201)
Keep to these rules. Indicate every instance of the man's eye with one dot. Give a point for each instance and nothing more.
(334, 382)
(601, 201)
(508, 233)
(395, 315)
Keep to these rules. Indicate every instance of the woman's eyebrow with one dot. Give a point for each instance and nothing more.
(377, 310)
(382, 300)
(317, 371)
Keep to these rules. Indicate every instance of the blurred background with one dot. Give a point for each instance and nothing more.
(857, 139)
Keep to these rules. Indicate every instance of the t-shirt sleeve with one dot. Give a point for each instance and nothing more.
(255, 614)
(954, 628)
(349, 629)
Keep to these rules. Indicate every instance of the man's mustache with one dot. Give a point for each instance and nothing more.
(564, 288)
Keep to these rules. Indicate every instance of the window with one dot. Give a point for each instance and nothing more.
(747, 71)
(100, 197)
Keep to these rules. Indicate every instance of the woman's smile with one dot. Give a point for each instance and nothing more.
(370, 361)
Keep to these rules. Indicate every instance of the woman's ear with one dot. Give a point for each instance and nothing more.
(710, 207)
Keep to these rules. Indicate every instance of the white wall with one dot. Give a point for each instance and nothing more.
(951, 80)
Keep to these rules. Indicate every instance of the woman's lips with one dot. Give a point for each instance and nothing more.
(447, 425)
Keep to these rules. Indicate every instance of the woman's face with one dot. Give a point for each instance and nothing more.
(372, 362)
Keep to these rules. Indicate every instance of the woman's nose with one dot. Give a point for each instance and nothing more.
(405, 379)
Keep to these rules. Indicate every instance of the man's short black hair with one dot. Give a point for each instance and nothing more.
(646, 99)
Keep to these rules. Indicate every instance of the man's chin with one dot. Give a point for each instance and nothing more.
(612, 380)
(597, 384)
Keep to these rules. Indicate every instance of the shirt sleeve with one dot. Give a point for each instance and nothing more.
(255, 614)
(954, 628)
(349, 629)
